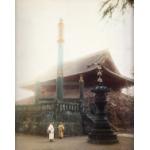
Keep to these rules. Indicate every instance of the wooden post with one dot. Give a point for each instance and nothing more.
(37, 92)
(81, 87)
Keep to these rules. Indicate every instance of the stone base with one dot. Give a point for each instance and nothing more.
(102, 137)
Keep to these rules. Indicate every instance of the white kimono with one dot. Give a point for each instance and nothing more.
(51, 132)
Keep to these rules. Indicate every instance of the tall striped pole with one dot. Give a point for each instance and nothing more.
(59, 84)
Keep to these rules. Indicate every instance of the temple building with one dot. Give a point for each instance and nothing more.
(45, 88)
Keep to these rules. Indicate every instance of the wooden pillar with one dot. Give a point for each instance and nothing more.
(81, 87)
(37, 92)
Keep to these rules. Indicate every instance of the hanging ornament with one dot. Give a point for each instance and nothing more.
(99, 73)
(99, 80)
(99, 67)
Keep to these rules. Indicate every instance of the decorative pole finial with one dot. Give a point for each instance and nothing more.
(61, 31)
(81, 78)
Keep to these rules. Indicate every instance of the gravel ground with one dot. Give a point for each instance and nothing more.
(28, 142)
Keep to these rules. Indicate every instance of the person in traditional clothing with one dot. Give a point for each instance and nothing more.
(61, 129)
(50, 131)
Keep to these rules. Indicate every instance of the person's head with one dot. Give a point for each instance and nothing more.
(60, 123)
(50, 123)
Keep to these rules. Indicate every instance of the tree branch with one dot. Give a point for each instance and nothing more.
(108, 7)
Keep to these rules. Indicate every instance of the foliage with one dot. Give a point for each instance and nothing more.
(109, 6)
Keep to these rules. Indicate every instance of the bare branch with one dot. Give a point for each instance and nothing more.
(108, 7)
(104, 4)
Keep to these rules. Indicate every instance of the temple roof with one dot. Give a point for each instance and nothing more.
(85, 65)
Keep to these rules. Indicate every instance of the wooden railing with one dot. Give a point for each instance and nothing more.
(53, 106)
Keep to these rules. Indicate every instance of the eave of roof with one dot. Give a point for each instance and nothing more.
(81, 66)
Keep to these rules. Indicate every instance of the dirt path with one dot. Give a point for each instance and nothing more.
(27, 142)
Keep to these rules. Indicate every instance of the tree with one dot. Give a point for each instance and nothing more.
(109, 6)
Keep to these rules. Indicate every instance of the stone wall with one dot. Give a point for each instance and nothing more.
(34, 119)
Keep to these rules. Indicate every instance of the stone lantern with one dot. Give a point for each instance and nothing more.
(101, 133)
